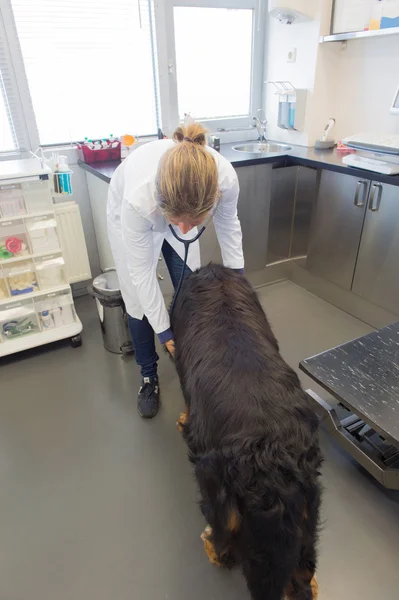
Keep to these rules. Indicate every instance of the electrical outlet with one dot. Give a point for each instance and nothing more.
(291, 55)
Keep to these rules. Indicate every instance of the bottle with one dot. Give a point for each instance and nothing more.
(127, 143)
(67, 312)
(188, 120)
(47, 320)
(105, 144)
(376, 15)
(57, 316)
(64, 176)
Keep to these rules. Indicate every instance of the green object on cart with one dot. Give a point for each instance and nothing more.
(18, 327)
(4, 253)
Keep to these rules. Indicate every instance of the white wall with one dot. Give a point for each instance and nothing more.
(355, 86)
(309, 72)
(367, 79)
(279, 40)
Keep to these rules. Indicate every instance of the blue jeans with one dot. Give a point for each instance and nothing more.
(140, 329)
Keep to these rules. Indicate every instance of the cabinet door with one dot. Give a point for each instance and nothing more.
(253, 211)
(377, 269)
(336, 227)
(305, 198)
(281, 212)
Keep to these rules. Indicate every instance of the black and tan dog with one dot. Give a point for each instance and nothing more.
(251, 434)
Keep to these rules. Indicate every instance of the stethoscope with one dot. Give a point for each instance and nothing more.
(186, 249)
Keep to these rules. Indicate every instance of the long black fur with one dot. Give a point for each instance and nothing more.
(251, 434)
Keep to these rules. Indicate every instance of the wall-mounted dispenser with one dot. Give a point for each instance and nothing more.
(289, 12)
(291, 105)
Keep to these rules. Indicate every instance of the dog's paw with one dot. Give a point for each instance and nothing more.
(181, 422)
(315, 588)
(209, 547)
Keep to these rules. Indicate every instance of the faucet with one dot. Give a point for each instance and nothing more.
(261, 125)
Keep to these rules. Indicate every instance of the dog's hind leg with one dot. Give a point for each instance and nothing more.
(303, 584)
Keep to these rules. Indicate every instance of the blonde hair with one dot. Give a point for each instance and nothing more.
(187, 179)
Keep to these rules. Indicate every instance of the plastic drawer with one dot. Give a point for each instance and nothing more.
(13, 240)
(38, 195)
(18, 319)
(21, 278)
(42, 233)
(55, 310)
(12, 203)
(50, 271)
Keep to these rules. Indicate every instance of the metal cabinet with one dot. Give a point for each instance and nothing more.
(293, 196)
(377, 268)
(336, 227)
(253, 211)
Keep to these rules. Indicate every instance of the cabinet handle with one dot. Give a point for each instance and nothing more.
(359, 186)
(374, 206)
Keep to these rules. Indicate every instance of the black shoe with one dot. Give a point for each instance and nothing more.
(148, 398)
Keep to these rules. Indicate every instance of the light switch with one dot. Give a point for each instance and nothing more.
(291, 55)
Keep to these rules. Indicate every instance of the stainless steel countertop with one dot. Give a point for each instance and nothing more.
(299, 155)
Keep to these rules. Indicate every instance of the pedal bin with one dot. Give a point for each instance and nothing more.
(111, 312)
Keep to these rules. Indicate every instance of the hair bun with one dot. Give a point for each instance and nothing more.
(193, 133)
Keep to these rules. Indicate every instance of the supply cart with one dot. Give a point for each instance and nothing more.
(36, 260)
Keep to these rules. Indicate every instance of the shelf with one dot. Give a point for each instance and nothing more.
(7, 261)
(19, 297)
(354, 35)
(38, 339)
(27, 216)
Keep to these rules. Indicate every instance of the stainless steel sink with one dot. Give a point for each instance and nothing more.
(262, 148)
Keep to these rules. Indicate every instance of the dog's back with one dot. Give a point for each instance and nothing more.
(251, 432)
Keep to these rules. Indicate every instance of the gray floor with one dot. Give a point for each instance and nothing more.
(97, 504)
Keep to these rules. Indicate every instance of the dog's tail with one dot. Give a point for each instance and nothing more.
(256, 517)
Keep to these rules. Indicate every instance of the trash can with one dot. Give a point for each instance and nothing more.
(111, 312)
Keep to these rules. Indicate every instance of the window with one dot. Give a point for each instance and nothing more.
(90, 66)
(7, 135)
(211, 60)
(215, 81)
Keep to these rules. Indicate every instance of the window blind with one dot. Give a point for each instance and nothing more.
(12, 128)
(90, 65)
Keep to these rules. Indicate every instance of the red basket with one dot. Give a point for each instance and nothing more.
(88, 155)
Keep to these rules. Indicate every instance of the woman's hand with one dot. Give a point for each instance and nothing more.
(170, 346)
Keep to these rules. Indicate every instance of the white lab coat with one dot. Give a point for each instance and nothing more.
(137, 229)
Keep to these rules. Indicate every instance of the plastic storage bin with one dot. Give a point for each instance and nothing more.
(13, 240)
(88, 155)
(38, 195)
(50, 272)
(17, 320)
(21, 278)
(55, 310)
(12, 203)
(43, 234)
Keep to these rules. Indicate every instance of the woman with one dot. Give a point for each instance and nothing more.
(182, 182)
